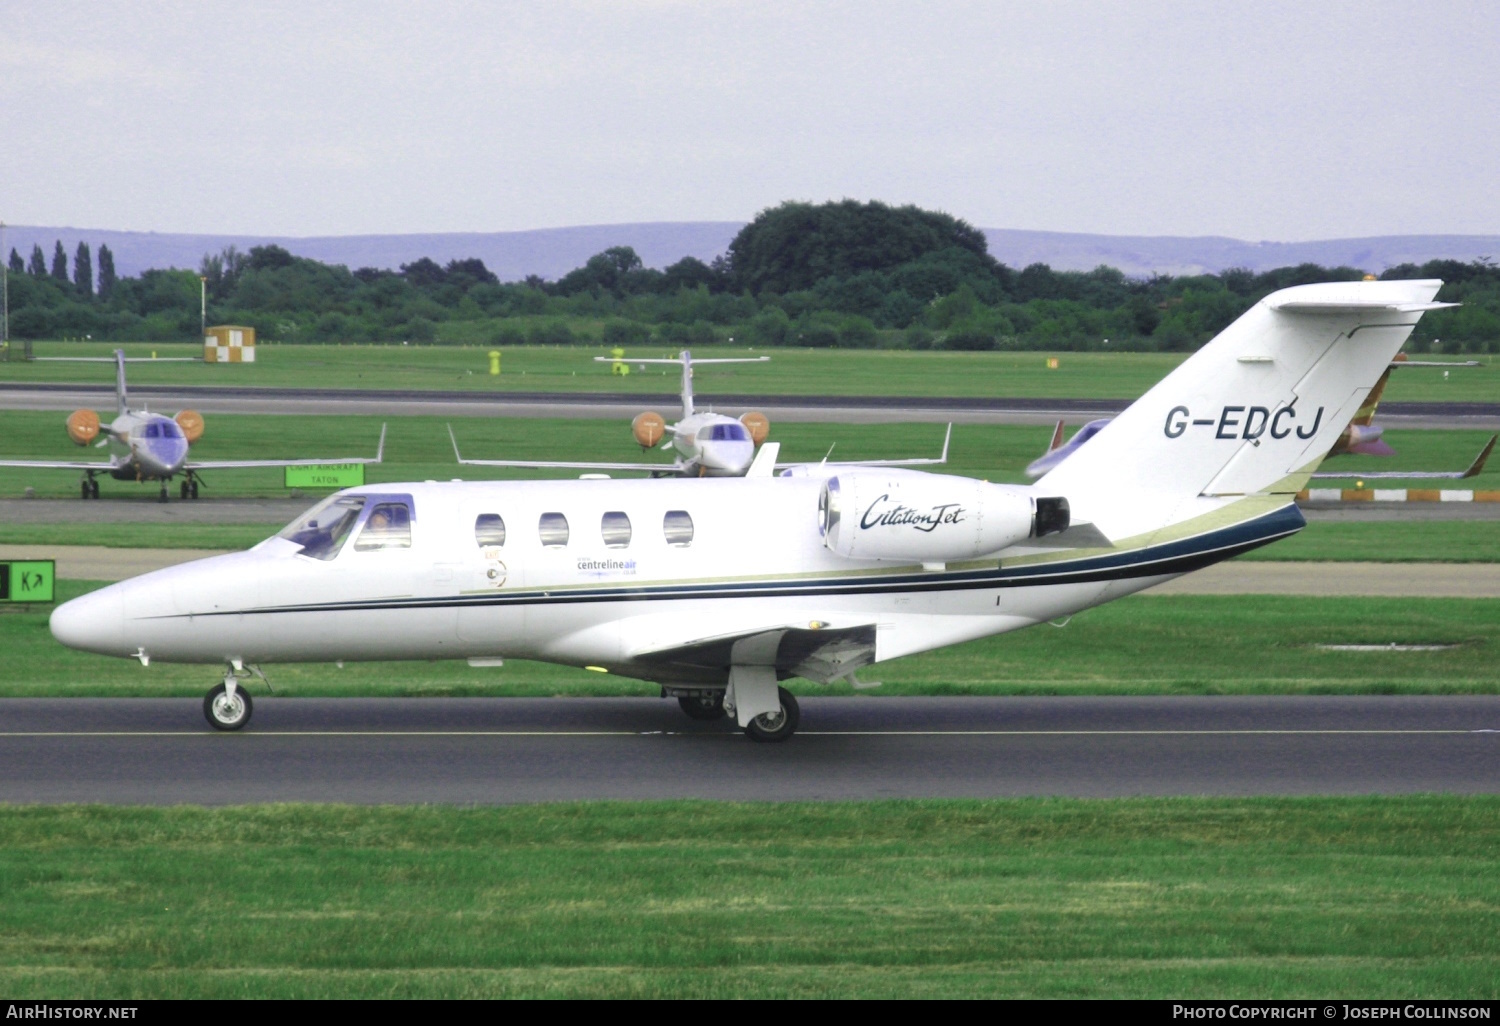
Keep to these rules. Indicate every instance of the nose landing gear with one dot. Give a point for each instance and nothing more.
(227, 706)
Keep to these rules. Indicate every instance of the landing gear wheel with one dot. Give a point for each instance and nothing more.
(192, 488)
(226, 713)
(163, 492)
(777, 726)
(93, 489)
(700, 707)
(183, 491)
(85, 487)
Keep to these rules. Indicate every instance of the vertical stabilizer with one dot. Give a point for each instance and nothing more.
(687, 383)
(120, 402)
(1251, 413)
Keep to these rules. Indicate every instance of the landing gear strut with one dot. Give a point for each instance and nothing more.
(228, 706)
(88, 487)
(189, 489)
(163, 492)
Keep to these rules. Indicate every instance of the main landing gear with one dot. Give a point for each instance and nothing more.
(88, 487)
(765, 710)
(777, 725)
(228, 706)
(189, 489)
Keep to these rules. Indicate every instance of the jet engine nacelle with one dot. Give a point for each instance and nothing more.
(191, 422)
(758, 424)
(931, 518)
(648, 428)
(83, 426)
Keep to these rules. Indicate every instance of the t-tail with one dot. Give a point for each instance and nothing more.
(1248, 416)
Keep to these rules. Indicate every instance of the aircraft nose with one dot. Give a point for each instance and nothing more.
(94, 622)
(729, 456)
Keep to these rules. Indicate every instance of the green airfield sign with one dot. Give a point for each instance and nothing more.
(327, 475)
(29, 581)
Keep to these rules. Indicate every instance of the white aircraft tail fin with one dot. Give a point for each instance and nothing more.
(1255, 410)
(120, 402)
(764, 464)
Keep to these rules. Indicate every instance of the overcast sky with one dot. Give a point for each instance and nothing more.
(1281, 121)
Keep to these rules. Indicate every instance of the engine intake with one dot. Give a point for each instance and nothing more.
(83, 426)
(932, 518)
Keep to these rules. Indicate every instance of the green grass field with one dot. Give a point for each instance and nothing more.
(789, 372)
(418, 449)
(1244, 898)
(1140, 645)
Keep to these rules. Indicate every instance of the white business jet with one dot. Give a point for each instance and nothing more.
(720, 589)
(146, 446)
(704, 444)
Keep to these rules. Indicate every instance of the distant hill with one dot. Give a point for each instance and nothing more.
(552, 252)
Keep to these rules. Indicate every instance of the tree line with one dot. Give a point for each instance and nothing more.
(834, 275)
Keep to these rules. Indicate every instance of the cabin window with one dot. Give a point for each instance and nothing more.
(387, 527)
(677, 525)
(615, 527)
(321, 530)
(489, 530)
(553, 528)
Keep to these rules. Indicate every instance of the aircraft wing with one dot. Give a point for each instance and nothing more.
(1395, 475)
(59, 465)
(918, 462)
(233, 464)
(559, 464)
(821, 654)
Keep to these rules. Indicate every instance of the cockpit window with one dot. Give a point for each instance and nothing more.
(677, 526)
(387, 527)
(489, 530)
(321, 530)
(553, 528)
(153, 430)
(615, 527)
(727, 433)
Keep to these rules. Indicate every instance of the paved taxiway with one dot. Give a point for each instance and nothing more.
(159, 751)
(613, 405)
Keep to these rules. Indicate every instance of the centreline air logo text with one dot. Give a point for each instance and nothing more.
(1246, 423)
(899, 515)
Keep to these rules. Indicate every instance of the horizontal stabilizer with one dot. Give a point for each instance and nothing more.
(1475, 469)
(1312, 306)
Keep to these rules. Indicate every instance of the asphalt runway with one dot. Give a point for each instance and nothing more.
(613, 405)
(498, 751)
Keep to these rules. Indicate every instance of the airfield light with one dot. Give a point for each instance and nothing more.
(596, 669)
(494, 361)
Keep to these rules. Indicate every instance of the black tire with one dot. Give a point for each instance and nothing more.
(220, 715)
(193, 488)
(182, 491)
(769, 727)
(85, 491)
(703, 707)
(93, 489)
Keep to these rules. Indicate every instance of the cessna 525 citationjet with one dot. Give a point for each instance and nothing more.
(146, 446)
(720, 588)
